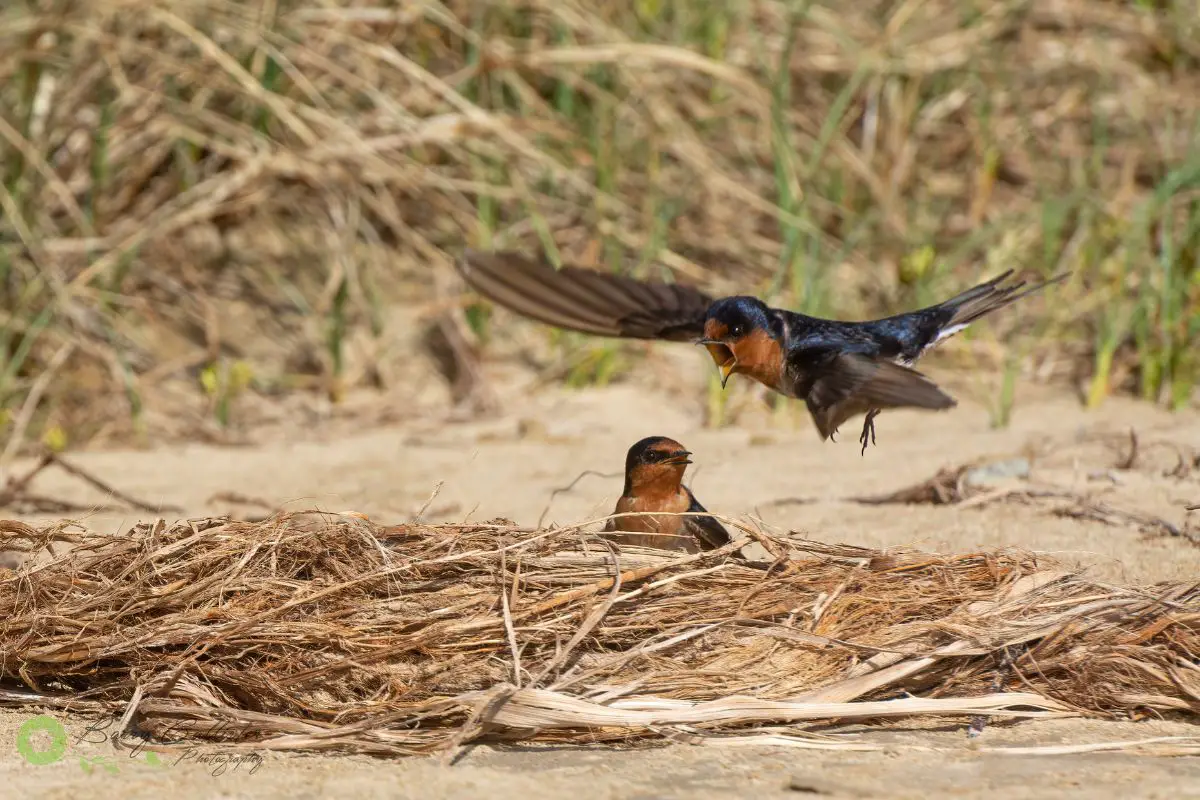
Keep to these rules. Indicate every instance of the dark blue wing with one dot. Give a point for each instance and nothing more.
(710, 533)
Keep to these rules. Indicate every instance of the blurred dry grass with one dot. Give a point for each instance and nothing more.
(317, 631)
(232, 196)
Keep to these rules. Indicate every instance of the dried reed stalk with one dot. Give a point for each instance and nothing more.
(316, 631)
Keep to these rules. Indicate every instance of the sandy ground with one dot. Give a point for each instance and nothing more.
(784, 476)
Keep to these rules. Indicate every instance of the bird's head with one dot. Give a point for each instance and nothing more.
(733, 328)
(655, 462)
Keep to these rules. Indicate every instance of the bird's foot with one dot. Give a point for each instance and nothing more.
(868, 431)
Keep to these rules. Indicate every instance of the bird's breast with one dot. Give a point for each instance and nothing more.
(675, 503)
(660, 530)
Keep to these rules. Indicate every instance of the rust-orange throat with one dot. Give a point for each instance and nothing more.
(754, 353)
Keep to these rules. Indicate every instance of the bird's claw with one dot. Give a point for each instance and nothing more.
(868, 431)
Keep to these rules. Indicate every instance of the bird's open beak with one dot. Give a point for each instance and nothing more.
(722, 356)
(678, 457)
(726, 370)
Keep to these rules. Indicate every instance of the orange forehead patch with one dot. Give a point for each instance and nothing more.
(715, 329)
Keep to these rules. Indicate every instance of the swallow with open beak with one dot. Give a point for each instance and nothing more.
(839, 369)
(654, 470)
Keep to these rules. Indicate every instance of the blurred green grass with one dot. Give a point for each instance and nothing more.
(171, 167)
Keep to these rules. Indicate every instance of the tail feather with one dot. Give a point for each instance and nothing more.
(988, 297)
(947, 318)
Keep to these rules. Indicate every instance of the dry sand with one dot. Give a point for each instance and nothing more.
(508, 466)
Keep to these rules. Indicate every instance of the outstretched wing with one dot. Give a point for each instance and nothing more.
(708, 532)
(845, 384)
(585, 300)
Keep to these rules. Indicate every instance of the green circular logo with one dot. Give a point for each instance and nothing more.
(58, 740)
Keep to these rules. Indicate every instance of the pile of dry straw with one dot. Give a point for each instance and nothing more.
(315, 631)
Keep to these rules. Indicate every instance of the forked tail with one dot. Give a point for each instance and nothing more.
(988, 297)
(951, 316)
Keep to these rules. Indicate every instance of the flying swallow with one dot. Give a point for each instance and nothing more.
(839, 369)
(654, 470)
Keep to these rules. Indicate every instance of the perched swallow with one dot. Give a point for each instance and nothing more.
(654, 470)
(840, 369)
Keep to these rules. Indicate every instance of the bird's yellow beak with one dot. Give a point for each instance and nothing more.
(722, 356)
(726, 370)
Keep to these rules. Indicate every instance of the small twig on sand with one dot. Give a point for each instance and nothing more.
(104, 487)
(941, 489)
(425, 507)
(40, 504)
(790, 501)
(16, 486)
(15, 491)
(1103, 512)
(570, 486)
(949, 487)
(236, 498)
(240, 499)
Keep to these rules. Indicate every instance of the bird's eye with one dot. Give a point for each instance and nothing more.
(736, 330)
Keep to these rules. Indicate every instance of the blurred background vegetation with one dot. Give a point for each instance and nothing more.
(208, 200)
